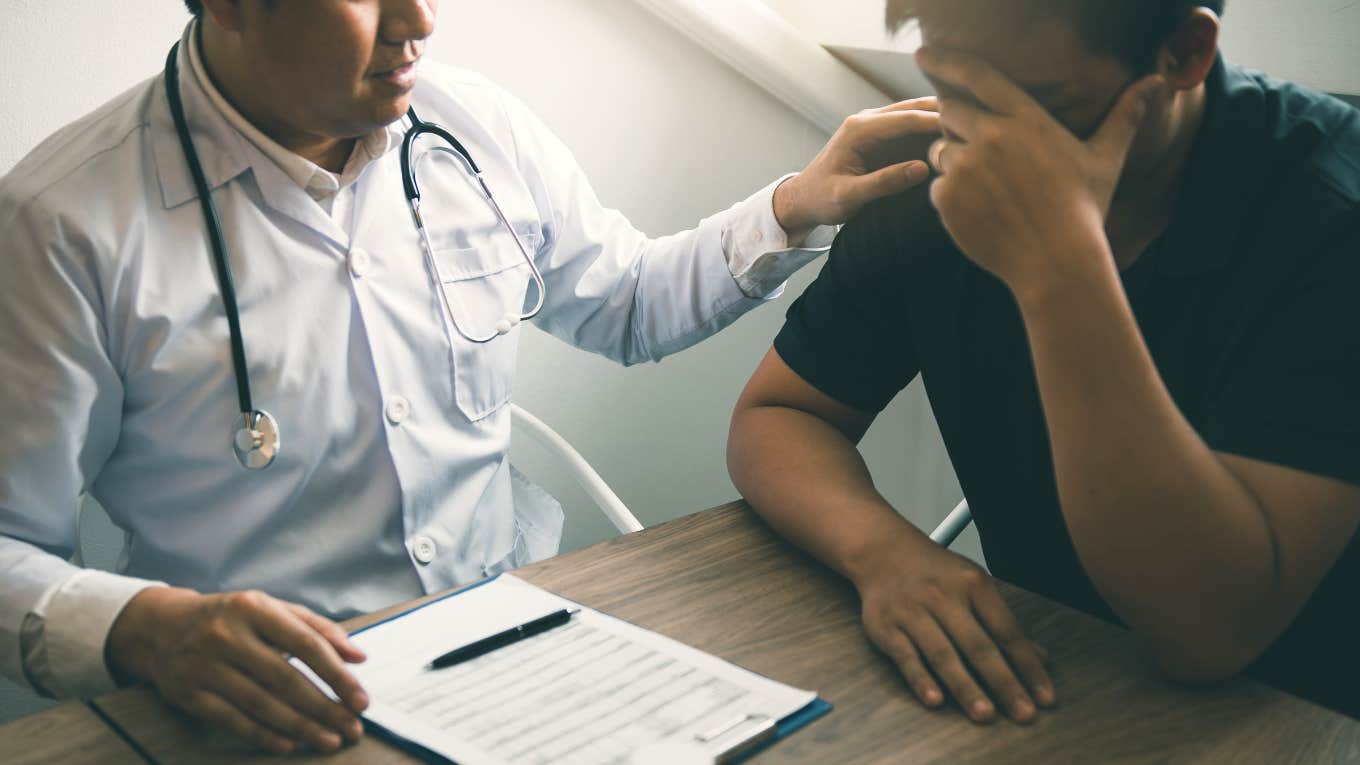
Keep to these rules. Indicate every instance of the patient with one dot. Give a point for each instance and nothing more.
(1133, 294)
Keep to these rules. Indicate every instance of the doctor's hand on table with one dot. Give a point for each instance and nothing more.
(223, 659)
(854, 170)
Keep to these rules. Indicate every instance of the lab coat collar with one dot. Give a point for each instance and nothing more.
(279, 191)
(221, 150)
(225, 155)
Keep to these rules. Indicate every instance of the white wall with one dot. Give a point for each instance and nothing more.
(1312, 42)
(857, 23)
(668, 135)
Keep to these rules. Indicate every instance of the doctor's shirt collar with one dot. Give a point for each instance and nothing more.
(226, 140)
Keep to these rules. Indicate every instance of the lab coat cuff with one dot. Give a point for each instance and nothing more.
(760, 253)
(64, 636)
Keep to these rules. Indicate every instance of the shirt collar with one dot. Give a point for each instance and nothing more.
(317, 181)
(1230, 167)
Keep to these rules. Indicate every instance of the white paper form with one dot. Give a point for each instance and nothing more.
(593, 691)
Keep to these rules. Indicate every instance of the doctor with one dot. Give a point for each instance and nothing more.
(387, 429)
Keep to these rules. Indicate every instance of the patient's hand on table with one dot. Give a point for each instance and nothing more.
(939, 615)
(223, 659)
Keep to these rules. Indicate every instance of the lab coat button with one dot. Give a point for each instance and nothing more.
(360, 263)
(424, 549)
(398, 409)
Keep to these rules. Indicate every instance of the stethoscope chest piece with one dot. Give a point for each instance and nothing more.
(256, 442)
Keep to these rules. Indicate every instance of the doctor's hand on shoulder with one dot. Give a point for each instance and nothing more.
(224, 659)
(871, 156)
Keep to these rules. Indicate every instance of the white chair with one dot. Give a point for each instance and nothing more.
(623, 518)
(953, 525)
(584, 475)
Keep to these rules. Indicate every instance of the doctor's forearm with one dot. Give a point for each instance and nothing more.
(632, 299)
(1171, 538)
(808, 481)
(55, 618)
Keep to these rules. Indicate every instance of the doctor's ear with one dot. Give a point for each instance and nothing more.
(1189, 54)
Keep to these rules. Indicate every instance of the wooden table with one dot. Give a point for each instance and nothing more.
(722, 582)
(67, 735)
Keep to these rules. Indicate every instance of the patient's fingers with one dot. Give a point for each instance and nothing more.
(1025, 655)
(943, 658)
(925, 104)
(899, 648)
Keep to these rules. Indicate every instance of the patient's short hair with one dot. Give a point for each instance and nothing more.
(1131, 30)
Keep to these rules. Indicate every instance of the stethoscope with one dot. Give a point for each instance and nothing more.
(256, 441)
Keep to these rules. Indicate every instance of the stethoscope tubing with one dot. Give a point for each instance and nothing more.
(256, 443)
(225, 280)
(413, 200)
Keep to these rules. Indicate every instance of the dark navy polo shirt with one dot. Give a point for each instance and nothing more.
(1249, 304)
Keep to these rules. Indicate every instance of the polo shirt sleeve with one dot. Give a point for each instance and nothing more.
(849, 335)
(1292, 390)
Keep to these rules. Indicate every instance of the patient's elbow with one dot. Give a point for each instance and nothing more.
(1202, 664)
(739, 437)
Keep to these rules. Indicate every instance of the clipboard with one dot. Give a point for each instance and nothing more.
(738, 750)
(732, 739)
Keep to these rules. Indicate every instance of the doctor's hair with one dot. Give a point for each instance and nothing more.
(1131, 30)
(196, 6)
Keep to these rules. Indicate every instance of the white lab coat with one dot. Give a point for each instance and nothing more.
(393, 481)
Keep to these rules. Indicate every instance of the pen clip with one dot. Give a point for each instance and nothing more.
(748, 740)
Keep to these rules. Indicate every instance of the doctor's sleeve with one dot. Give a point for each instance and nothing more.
(615, 291)
(63, 399)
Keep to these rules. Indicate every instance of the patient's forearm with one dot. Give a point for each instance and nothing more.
(808, 481)
(1169, 535)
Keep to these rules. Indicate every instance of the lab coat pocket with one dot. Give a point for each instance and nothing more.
(538, 521)
(538, 526)
(482, 286)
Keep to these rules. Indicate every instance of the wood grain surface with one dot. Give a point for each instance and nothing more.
(722, 582)
(66, 735)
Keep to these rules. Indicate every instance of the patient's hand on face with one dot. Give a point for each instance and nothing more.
(1021, 195)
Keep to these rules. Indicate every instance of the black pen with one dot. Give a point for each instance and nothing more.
(502, 639)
